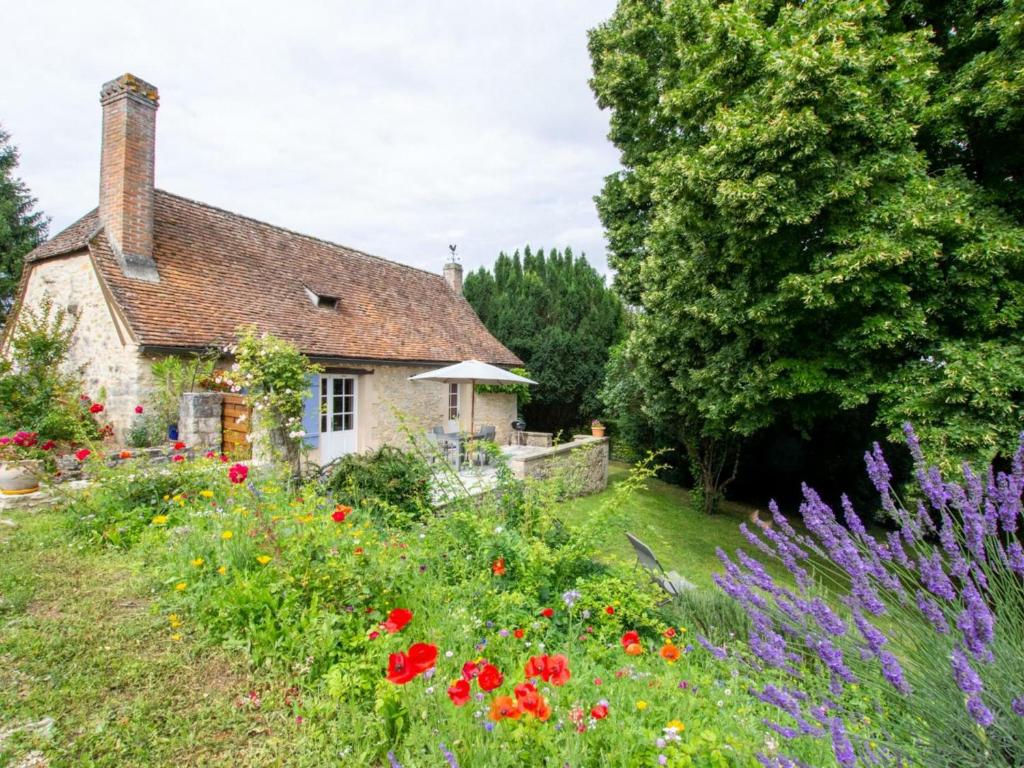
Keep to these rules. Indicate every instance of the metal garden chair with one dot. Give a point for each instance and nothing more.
(670, 581)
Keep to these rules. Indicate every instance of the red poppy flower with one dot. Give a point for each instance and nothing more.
(125, 454)
(458, 692)
(374, 635)
(543, 710)
(669, 633)
(536, 666)
(178, 458)
(527, 696)
(634, 649)
(490, 678)
(557, 672)
(669, 653)
(547, 613)
(422, 656)
(610, 610)
(138, 409)
(472, 669)
(518, 634)
(630, 638)
(397, 620)
(400, 670)
(498, 567)
(237, 473)
(599, 711)
(49, 445)
(179, 446)
(340, 513)
(357, 551)
(83, 454)
(504, 706)
(96, 408)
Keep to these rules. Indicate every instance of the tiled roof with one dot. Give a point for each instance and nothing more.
(72, 238)
(219, 270)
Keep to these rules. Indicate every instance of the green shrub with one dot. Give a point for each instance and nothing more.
(710, 612)
(146, 430)
(393, 483)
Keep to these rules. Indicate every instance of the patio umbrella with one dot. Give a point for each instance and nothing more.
(475, 373)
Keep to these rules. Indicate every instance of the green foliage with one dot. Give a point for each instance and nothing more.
(554, 311)
(790, 246)
(274, 374)
(523, 392)
(174, 376)
(38, 393)
(21, 227)
(146, 430)
(384, 482)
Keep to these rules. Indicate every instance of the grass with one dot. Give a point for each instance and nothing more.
(82, 645)
(664, 517)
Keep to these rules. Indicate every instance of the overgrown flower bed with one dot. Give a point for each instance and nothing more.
(493, 631)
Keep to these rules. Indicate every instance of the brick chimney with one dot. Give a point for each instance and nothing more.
(126, 173)
(453, 275)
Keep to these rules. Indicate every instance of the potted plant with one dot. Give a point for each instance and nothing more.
(20, 464)
(597, 428)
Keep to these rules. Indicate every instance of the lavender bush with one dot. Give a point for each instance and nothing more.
(905, 648)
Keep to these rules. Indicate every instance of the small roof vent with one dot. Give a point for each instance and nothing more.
(321, 301)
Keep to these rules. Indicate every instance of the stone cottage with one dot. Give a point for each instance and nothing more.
(148, 274)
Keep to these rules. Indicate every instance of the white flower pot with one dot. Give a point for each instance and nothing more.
(19, 477)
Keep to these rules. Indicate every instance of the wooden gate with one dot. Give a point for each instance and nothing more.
(236, 421)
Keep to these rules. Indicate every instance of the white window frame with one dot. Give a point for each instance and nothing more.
(454, 402)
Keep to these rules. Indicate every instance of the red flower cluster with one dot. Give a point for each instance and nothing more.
(237, 473)
(547, 613)
(599, 711)
(552, 669)
(96, 408)
(631, 643)
(83, 454)
(340, 513)
(406, 665)
(396, 620)
(138, 409)
(178, 458)
(25, 439)
(498, 567)
(179, 446)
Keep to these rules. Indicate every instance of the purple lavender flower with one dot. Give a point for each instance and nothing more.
(931, 611)
(841, 745)
(1017, 705)
(393, 760)
(448, 756)
(982, 715)
(964, 674)
(893, 672)
(719, 653)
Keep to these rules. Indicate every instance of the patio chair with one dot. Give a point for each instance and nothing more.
(671, 582)
(486, 435)
(441, 445)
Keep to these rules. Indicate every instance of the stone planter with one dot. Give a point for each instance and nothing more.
(19, 477)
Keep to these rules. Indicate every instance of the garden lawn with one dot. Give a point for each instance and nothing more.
(81, 644)
(665, 519)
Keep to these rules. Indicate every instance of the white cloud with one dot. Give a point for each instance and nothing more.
(389, 126)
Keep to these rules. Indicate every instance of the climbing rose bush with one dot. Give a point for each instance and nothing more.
(921, 657)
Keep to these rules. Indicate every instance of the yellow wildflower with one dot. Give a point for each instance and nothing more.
(264, 559)
(226, 535)
(304, 518)
(222, 570)
(177, 497)
(174, 620)
(198, 562)
(180, 586)
(176, 637)
(206, 494)
(676, 724)
(166, 497)
(160, 520)
(641, 705)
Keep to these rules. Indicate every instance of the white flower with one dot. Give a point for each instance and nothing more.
(498, 529)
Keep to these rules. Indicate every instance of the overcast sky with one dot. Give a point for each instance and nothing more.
(392, 126)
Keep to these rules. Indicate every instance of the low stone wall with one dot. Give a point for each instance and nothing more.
(535, 439)
(199, 420)
(583, 463)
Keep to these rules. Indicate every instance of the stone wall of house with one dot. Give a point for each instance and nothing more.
(199, 420)
(387, 397)
(108, 362)
(582, 463)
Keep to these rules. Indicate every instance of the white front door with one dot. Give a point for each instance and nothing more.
(337, 417)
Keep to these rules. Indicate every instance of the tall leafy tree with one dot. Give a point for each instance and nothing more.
(21, 227)
(555, 312)
(792, 248)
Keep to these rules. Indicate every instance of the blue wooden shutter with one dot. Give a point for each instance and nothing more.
(311, 414)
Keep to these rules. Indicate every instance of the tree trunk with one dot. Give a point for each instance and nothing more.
(709, 459)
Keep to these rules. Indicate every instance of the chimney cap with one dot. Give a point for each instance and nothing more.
(130, 86)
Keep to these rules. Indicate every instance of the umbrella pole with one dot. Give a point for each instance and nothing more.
(472, 406)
